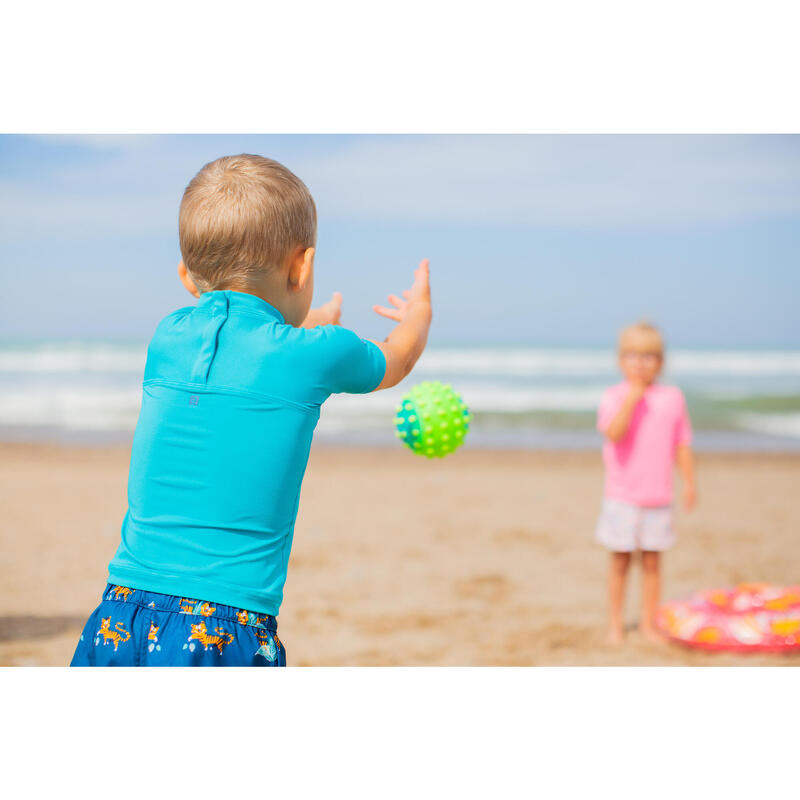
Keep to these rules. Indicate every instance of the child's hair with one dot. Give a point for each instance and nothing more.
(646, 328)
(241, 216)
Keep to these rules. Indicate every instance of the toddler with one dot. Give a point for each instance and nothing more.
(231, 396)
(647, 429)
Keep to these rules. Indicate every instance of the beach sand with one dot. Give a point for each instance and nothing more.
(483, 558)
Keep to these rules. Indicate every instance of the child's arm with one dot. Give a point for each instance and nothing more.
(618, 426)
(328, 314)
(685, 460)
(404, 345)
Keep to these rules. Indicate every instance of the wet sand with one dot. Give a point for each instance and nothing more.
(483, 558)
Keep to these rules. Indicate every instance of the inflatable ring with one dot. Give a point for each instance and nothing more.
(752, 617)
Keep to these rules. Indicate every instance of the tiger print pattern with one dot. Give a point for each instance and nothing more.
(150, 629)
(115, 635)
(222, 638)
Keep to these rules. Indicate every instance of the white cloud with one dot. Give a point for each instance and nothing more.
(572, 181)
(575, 181)
(134, 188)
(103, 141)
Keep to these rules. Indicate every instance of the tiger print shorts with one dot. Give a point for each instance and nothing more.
(135, 628)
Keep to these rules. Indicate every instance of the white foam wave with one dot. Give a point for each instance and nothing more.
(483, 397)
(786, 425)
(97, 385)
(513, 362)
(734, 363)
(534, 362)
(441, 362)
(70, 357)
(103, 408)
(72, 409)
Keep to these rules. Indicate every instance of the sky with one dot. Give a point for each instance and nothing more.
(538, 240)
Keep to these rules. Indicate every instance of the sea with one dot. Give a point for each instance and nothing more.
(89, 392)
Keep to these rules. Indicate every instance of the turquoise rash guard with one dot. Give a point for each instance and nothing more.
(230, 400)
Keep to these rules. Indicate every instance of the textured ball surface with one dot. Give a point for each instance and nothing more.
(432, 420)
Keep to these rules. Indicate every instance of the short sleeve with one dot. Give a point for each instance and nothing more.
(683, 433)
(609, 405)
(351, 364)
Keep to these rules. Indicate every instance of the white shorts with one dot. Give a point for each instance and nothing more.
(623, 527)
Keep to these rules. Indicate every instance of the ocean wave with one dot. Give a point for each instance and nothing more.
(72, 409)
(73, 357)
(104, 408)
(439, 362)
(96, 386)
(532, 362)
(116, 410)
(783, 425)
(480, 397)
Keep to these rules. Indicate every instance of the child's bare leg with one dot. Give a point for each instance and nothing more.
(651, 593)
(616, 595)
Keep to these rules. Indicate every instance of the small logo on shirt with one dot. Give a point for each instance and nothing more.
(194, 400)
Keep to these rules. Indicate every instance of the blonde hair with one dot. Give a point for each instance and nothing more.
(241, 216)
(642, 327)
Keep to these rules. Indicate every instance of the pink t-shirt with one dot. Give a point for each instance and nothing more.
(639, 466)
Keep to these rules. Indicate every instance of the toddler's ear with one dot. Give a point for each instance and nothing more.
(301, 268)
(186, 280)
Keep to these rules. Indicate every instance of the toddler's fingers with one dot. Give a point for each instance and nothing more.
(421, 276)
(406, 293)
(387, 312)
(396, 301)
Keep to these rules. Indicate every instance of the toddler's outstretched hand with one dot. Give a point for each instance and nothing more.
(331, 311)
(327, 314)
(420, 292)
(406, 341)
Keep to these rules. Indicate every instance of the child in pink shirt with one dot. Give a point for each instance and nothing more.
(647, 430)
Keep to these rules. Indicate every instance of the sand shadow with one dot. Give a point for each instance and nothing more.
(27, 627)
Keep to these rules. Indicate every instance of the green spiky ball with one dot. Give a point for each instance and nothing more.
(432, 420)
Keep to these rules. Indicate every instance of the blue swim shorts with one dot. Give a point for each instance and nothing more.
(134, 628)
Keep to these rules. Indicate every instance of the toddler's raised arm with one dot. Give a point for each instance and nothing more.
(404, 345)
(616, 428)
